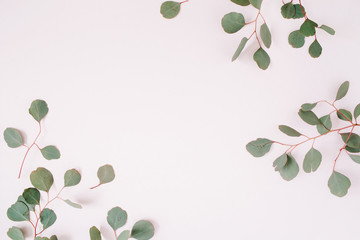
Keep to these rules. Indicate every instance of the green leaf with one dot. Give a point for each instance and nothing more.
(72, 204)
(259, 147)
(47, 218)
(315, 49)
(288, 10)
(116, 218)
(233, 22)
(357, 111)
(240, 48)
(308, 28)
(309, 117)
(42, 179)
(344, 114)
(124, 235)
(339, 184)
(299, 11)
(354, 140)
(53, 237)
(95, 233)
(142, 230)
(343, 89)
(15, 233)
(312, 160)
(327, 29)
(31, 207)
(325, 125)
(352, 150)
(38, 109)
(256, 3)
(50, 152)
(265, 35)
(13, 137)
(355, 158)
(296, 39)
(308, 106)
(170, 9)
(280, 162)
(290, 170)
(31, 196)
(41, 238)
(106, 174)
(262, 59)
(71, 178)
(289, 131)
(18, 212)
(241, 2)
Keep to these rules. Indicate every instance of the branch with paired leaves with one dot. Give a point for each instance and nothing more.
(14, 139)
(116, 218)
(286, 164)
(234, 22)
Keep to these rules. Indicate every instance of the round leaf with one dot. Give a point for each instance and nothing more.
(288, 10)
(13, 138)
(94, 233)
(259, 147)
(142, 230)
(15, 233)
(299, 12)
(265, 35)
(256, 3)
(71, 178)
(308, 28)
(342, 91)
(47, 218)
(296, 39)
(18, 212)
(50, 152)
(262, 59)
(42, 179)
(309, 117)
(289, 131)
(290, 170)
(241, 2)
(327, 29)
(31, 207)
(280, 162)
(31, 196)
(38, 109)
(312, 160)
(170, 9)
(106, 174)
(339, 184)
(315, 49)
(240, 48)
(116, 218)
(233, 22)
(124, 235)
(325, 124)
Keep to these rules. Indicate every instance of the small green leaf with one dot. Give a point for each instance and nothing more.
(299, 13)
(38, 109)
(106, 174)
(315, 49)
(289, 131)
(259, 147)
(240, 48)
(95, 233)
(357, 111)
(71, 178)
(280, 162)
(31, 196)
(42, 179)
(142, 230)
(312, 160)
(339, 184)
(327, 29)
(241, 2)
(355, 158)
(343, 89)
(13, 137)
(265, 35)
(116, 218)
(47, 218)
(344, 114)
(308, 106)
(290, 170)
(233, 22)
(18, 212)
(170, 9)
(124, 235)
(296, 39)
(72, 204)
(262, 59)
(256, 3)
(15, 233)
(325, 124)
(309, 117)
(353, 141)
(31, 207)
(308, 28)
(288, 10)
(53, 237)
(50, 152)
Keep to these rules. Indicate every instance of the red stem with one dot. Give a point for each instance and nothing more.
(95, 186)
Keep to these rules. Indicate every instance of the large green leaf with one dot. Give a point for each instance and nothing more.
(296, 39)
(18, 212)
(308, 28)
(353, 141)
(50, 152)
(288, 10)
(299, 12)
(240, 48)
(38, 109)
(31, 196)
(94, 233)
(241, 2)
(290, 170)
(309, 117)
(280, 162)
(339, 184)
(71, 178)
(325, 124)
(344, 114)
(342, 91)
(15, 233)
(47, 218)
(42, 179)
(312, 160)
(262, 58)
(142, 230)
(259, 147)
(328, 29)
(13, 137)
(116, 218)
(233, 22)
(124, 235)
(170, 9)
(256, 3)
(289, 131)
(315, 49)
(265, 35)
(106, 174)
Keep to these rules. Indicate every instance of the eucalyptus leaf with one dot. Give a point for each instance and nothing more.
(50, 152)
(233, 22)
(325, 124)
(344, 114)
(240, 48)
(71, 178)
(124, 235)
(296, 39)
(339, 184)
(262, 59)
(280, 162)
(116, 218)
(13, 137)
(106, 174)
(41, 238)
(259, 147)
(353, 141)
(342, 91)
(142, 230)
(355, 158)
(309, 117)
(312, 160)
(15, 233)
(94, 233)
(328, 29)
(170, 9)
(241, 2)
(315, 49)
(38, 109)
(308, 106)
(290, 170)
(289, 131)
(357, 111)
(308, 28)
(31, 196)
(47, 218)
(42, 179)
(53, 237)
(18, 212)
(72, 204)
(288, 10)
(265, 35)
(256, 3)
(299, 11)
(31, 207)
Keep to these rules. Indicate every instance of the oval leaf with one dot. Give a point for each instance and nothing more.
(42, 179)
(241, 2)
(116, 218)
(31, 196)
(339, 184)
(265, 35)
(312, 160)
(290, 170)
(71, 178)
(256, 3)
(142, 230)
(38, 109)
(289, 131)
(280, 162)
(308, 106)
(299, 11)
(355, 158)
(50, 152)
(13, 137)
(327, 29)
(309, 117)
(353, 141)
(240, 48)
(315, 49)
(47, 218)
(308, 28)
(259, 147)
(357, 111)
(344, 114)
(325, 124)
(106, 174)
(18, 212)
(262, 59)
(170, 9)
(342, 91)
(72, 204)
(233, 22)
(296, 39)
(288, 10)
(94, 233)
(124, 235)
(15, 233)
